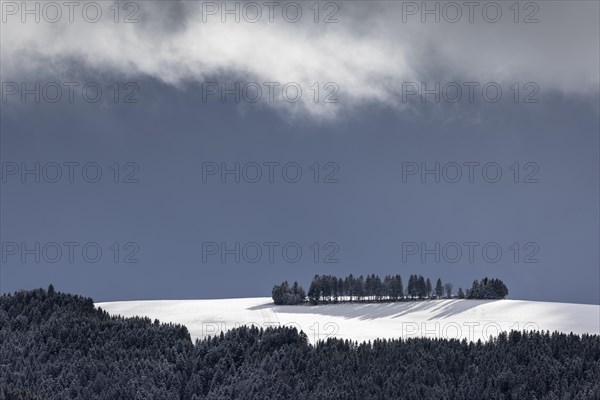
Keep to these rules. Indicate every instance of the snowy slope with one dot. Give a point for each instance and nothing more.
(469, 319)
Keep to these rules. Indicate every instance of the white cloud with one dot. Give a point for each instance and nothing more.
(369, 53)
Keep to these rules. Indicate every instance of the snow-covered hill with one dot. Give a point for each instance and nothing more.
(470, 319)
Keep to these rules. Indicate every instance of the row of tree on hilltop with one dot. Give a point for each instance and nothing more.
(332, 289)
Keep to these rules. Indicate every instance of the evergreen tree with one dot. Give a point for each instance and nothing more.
(277, 294)
(421, 287)
(487, 289)
(359, 288)
(369, 287)
(314, 291)
(329, 288)
(399, 287)
(448, 288)
(59, 346)
(325, 288)
(474, 292)
(334, 286)
(439, 289)
(285, 295)
(350, 286)
(412, 286)
(377, 287)
(388, 287)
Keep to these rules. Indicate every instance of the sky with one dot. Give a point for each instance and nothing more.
(189, 149)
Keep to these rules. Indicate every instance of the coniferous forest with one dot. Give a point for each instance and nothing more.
(58, 346)
(332, 289)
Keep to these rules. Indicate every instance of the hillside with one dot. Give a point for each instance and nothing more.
(57, 346)
(469, 319)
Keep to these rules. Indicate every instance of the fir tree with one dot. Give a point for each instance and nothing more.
(439, 289)
(448, 288)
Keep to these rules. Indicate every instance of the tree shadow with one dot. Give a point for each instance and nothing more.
(439, 309)
(453, 307)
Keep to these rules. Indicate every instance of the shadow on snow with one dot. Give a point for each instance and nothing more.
(438, 309)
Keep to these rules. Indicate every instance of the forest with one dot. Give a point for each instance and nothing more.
(332, 289)
(56, 346)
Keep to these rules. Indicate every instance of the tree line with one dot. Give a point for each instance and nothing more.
(332, 289)
(56, 346)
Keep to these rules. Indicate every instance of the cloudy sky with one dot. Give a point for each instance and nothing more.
(189, 149)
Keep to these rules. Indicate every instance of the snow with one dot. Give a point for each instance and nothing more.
(468, 319)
